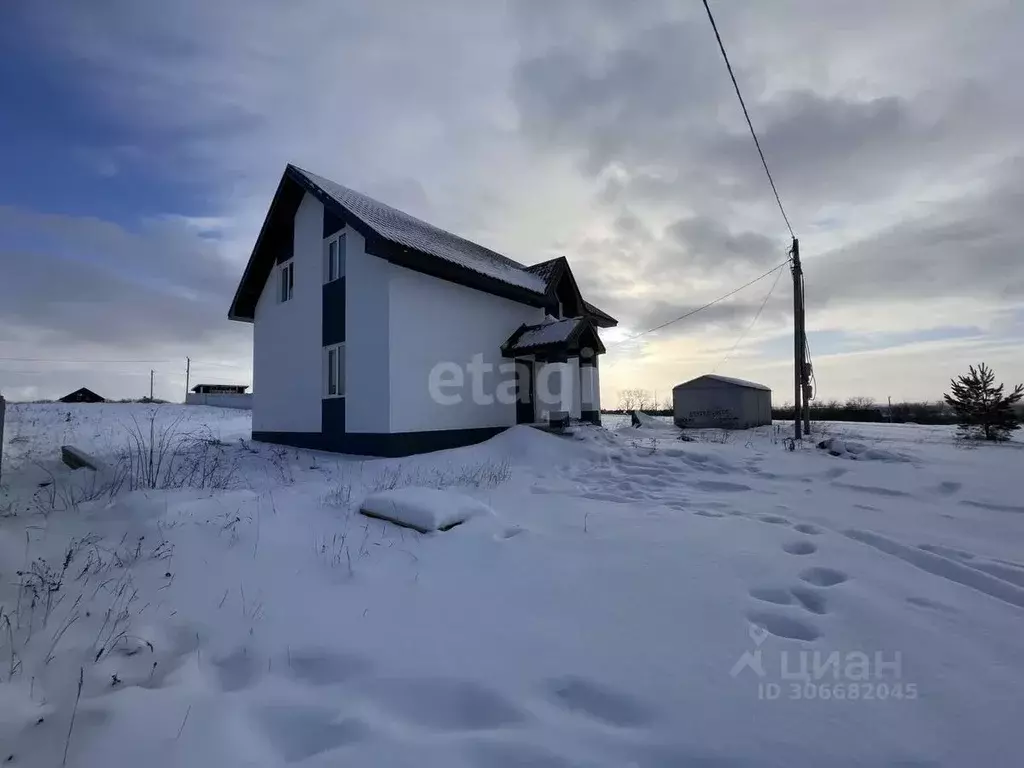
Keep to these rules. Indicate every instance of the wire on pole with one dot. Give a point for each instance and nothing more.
(701, 308)
(746, 114)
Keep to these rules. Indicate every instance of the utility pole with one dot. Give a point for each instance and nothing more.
(798, 339)
(151, 385)
(188, 371)
(801, 366)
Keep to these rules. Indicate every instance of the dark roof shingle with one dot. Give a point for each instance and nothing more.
(403, 229)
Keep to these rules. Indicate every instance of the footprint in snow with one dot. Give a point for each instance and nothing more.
(299, 733)
(807, 528)
(774, 519)
(720, 485)
(937, 549)
(781, 625)
(808, 599)
(594, 700)
(935, 605)
(238, 670)
(800, 547)
(823, 577)
(440, 704)
(323, 667)
(774, 595)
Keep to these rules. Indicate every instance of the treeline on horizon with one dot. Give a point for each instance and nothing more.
(862, 409)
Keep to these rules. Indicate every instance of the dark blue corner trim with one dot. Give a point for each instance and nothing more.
(594, 417)
(333, 312)
(332, 222)
(332, 417)
(381, 444)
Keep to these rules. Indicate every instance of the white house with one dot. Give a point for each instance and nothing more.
(377, 333)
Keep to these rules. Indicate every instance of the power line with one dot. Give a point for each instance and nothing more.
(705, 306)
(79, 362)
(746, 114)
(752, 322)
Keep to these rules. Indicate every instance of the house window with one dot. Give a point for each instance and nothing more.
(287, 280)
(335, 384)
(334, 258)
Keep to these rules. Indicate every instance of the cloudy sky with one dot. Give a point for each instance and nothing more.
(140, 147)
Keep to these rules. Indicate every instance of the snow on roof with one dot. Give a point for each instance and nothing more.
(545, 269)
(403, 229)
(548, 333)
(725, 380)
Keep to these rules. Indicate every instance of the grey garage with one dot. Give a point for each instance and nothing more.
(721, 401)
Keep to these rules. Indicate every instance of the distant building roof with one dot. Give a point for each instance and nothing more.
(82, 395)
(724, 380)
(233, 387)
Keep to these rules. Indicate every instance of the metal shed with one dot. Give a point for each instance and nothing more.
(721, 401)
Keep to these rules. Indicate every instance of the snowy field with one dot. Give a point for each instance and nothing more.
(633, 600)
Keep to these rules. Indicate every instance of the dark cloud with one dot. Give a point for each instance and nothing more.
(648, 111)
(73, 283)
(706, 243)
(970, 248)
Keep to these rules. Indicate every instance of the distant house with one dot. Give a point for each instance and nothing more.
(721, 401)
(220, 389)
(220, 395)
(377, 333)
(82, 395)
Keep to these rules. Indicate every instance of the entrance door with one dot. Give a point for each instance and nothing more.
(524, 392)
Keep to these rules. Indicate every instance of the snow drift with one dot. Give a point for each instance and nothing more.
(423, 509)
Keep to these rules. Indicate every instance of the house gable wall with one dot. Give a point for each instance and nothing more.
(287, 358)
(367, 363)
(436, 321)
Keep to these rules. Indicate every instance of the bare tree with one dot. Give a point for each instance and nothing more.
(635, 399)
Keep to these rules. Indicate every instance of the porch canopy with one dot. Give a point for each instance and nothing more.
(555, 341)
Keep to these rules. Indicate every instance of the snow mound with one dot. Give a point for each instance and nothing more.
(527, 446)
(848, 449)
(423, 509)
(653, 422)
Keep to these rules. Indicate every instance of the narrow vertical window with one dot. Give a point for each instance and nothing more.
(287, 280)
(341, 370)
(334, 259)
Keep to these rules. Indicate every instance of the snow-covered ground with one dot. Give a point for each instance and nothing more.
(634, 600)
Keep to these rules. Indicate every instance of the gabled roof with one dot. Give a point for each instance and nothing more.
(547, 270)
(392, 235)
(402, 229)
(547, 333)
(724, 380)
(553, 271)
(602, 318)
(569, 335)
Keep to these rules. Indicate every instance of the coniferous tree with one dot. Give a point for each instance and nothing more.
(981, 408)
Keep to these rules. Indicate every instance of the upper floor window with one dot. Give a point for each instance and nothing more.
(334, 258)
(287, 280)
